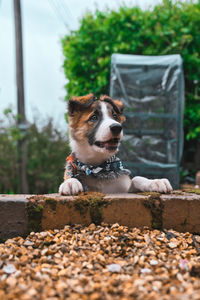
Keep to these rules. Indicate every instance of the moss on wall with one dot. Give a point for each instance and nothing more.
(52, 203)
(92, 201)
(34, 212)
(155, 205)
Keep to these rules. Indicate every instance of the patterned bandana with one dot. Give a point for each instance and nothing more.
(110, 169)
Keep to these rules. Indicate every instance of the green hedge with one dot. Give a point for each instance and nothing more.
(166, 29)
(47, 149)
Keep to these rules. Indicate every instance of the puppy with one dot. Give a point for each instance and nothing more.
(95, 130)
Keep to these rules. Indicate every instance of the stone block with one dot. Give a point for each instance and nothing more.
(127, 209)
(181, 212)
(13, 216)
(63, 213)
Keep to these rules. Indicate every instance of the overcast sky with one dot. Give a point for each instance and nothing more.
(45, 22)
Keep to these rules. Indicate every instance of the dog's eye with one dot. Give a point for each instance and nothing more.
(93, 118)
(115, 116)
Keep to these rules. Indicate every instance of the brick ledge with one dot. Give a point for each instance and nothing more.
(21, 214)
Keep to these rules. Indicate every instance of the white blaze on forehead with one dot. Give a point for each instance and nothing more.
(104, 110)
(103, 133)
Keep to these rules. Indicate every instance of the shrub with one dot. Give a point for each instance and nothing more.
(47, 149)
(169, 28)
(8, 154)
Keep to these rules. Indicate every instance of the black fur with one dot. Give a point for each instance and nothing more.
(91, 134)
(110, 101)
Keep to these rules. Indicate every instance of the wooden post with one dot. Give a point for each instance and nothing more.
(22, 124)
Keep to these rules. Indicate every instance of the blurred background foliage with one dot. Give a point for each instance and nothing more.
(168, 28)
(46, 153)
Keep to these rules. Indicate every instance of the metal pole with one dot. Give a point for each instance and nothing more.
(22, 124)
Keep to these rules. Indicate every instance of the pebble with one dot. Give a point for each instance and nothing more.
(28, 243)
(92, 227)
(173, 245)
(145, 270)
(183, 265)
(114, 268)
(153, 262)
(197, 237)
(9, 268)
(100, 262)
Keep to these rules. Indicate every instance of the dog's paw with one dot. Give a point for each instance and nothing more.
(160, 186)
(143, 184)
(70, 186)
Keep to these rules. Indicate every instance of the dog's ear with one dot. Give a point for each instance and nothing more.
(80, 103)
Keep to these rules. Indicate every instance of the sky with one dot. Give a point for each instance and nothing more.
(44, 22)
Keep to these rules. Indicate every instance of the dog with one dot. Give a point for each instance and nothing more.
(95, 131)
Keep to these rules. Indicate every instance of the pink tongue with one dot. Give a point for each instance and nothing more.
(109, 144)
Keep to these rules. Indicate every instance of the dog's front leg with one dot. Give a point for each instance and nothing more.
(70, 186)
(142, 184)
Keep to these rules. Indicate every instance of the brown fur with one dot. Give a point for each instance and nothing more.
(83, 99)
(78, 123)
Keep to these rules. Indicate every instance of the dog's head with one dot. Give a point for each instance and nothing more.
(96, 122)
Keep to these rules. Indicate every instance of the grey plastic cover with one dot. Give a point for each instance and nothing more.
(152, 89)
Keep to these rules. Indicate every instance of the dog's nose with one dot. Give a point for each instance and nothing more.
(115, 129)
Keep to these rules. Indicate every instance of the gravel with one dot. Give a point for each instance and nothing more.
(101, 262)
